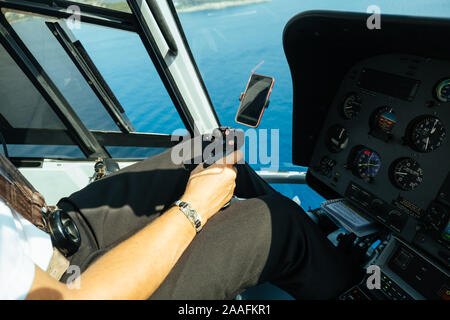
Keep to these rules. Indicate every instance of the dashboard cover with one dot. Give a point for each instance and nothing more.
(321, 46)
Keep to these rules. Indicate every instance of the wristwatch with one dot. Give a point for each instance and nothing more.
(190, 213)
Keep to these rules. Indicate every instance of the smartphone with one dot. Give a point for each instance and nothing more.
(254, 100)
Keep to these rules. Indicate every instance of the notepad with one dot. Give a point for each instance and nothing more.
(349, 217)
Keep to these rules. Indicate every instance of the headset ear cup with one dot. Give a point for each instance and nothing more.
(64, 232)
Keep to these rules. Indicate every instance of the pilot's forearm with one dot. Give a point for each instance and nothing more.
(132, 270)
(136, 267)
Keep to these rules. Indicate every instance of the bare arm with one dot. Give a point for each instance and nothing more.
(136, 267)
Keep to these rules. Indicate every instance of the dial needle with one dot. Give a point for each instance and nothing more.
(434, 126)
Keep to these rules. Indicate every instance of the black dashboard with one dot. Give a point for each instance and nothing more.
(371, 120)
(385, 145)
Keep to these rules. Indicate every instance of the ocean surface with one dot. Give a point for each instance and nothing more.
(228, 44)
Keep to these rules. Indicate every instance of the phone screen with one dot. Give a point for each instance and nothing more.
(254, 100)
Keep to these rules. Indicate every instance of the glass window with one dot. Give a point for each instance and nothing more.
(126, 66)
(22, 106)
(119, 5)
(41, 151)
(57, 64)
(121, 59)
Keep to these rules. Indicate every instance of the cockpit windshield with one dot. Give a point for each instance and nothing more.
(103, 75)
(230, 39)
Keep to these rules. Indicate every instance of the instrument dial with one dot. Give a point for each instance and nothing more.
(443, 91)
(337, 138)
(367, 164)
(384, 119)
(407, 174)
(351, 106)
(436, 218)
(326, 165)
(427, 133)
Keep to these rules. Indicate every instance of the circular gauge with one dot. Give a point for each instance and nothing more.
(326, 165)
(443, 91)
(426, 133)
(366, 164)
(337, 138)
(407, 174)
(436, 219)
(351, 106)
(384, 119)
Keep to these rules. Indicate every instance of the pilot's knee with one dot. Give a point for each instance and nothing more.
(284, 210)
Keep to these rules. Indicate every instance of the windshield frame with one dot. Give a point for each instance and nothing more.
(91, 142)
(80, 58)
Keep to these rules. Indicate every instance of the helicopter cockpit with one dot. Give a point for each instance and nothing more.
(370, 116)
(374, 138)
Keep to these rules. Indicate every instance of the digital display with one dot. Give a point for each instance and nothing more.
(403, 258)
(254, 100)
(424, 277)
(389, 84)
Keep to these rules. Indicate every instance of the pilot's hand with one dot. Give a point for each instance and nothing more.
(208, 190)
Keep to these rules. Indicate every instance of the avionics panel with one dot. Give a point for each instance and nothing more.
(405, 274)
(385, 143)
(387, 83)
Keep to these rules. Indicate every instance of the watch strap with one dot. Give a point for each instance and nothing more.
(190, 213)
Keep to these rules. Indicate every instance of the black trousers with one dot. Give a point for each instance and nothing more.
(265, 238)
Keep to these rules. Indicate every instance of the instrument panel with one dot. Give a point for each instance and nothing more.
(385, 142)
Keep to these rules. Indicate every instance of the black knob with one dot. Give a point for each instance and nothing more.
(64, 232)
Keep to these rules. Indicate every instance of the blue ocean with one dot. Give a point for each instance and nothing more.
(227, 44)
